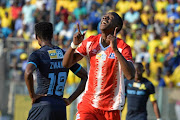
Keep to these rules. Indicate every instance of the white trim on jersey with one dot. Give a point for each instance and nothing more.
(99, 84)
(103, 48)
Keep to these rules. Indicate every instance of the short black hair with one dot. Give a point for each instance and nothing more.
(120, 21)
(138, 64)
(44, 30)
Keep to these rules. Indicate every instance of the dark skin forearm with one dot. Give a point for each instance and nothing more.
(78, 91)
(156, 109)
(28, 76)
(127, 67)
(83, 75)
(70, 58)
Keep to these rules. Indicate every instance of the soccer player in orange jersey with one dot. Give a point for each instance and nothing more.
(109, 60)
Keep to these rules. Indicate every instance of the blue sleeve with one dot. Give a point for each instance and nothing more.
(75, 68)
(34, 59)
(151, 88)
(126, 82)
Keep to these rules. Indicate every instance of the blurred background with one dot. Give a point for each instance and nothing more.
(151, 28)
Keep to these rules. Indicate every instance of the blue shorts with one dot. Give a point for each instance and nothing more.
(48, 108)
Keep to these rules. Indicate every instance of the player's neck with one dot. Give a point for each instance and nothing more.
(46, 43)
(138, 79)
(104, 40)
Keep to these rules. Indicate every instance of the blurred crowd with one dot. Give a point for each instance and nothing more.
(151, 28)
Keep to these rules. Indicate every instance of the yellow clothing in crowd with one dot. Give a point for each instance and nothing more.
(136, 6)
(176, 77)
(162, 17)
(3, 11)
(152, 46)
(90, 33)
(130, 41)
(6, 22)
(160, 4)
(168, 80)
(151, 78)
(68, 4)
(145, 18)
(122, 6)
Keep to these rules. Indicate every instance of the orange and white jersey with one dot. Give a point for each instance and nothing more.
(105, 86)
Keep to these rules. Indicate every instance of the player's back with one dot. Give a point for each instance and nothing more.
(51, 79)
(51, 75)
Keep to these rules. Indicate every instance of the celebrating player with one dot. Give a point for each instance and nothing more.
(110, 58)
(138, 92)
(48, 102)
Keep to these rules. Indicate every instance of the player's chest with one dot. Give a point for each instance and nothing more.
(99, 54)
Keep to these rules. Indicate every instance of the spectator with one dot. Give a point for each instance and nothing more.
(131, 16)
(94, 15)
(122, 6)
(41, 14)
(28, 12)
(80, 10)
(6, 25)
(15, 11)
(18, 23)
(90, 31)
(136, 5)
(160, 4)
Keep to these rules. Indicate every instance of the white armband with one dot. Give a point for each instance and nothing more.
(73, 46)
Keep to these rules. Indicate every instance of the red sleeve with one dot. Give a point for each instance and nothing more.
(126, 52)
(82, 48)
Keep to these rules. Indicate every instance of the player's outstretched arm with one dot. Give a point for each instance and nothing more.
(70, 57)
(127, 67)
(28, 76)
(83, 75)
(156, 110)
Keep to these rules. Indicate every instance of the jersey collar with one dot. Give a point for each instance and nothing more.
(103, 48)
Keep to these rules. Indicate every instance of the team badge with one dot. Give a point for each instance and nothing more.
(56, 54)
(112, 56)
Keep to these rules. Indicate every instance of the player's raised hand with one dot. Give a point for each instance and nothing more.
(78, 37)
(113, 40)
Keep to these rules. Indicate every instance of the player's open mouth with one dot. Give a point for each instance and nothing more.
(103, 22)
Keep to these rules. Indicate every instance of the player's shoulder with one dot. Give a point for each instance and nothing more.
(147, 82)
(121, 43)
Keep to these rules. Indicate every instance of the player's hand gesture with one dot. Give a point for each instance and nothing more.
(78, 37)
(113, 40)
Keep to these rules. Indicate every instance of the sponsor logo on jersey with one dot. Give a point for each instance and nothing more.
(101, 56)
(56, 54)
(136, 85)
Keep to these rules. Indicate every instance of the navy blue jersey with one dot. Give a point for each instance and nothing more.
(51, 75)
(137, 94)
